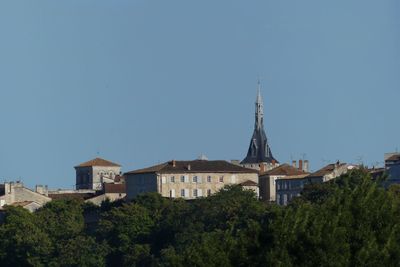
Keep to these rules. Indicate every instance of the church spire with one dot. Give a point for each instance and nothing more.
(259, 123)
(259, 150)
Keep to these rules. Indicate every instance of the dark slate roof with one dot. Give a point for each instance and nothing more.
(98, 162)
(326, 170)
(193, 166)
(259, 150)
(284, 170)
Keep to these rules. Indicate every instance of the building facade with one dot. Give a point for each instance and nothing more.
(291, 186)
(268, 179)
(392, 168)
(188, 179)
(16, 194)
(259, 155)
(94, 173)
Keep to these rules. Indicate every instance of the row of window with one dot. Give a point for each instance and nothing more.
(194, 179)
(186, 193)
(283, 185)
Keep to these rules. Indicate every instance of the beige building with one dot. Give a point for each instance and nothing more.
(94, 173)
(268, 179)
(189, 179)
(16, 194)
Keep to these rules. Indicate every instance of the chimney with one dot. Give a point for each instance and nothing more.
(189, 167)
(300, 164)
(306, 166)
(262, 168)
(173, 163)
(294, 164)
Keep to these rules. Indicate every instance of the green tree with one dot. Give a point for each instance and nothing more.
(22, 240)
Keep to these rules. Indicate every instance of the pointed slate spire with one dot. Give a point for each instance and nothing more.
(259, 150)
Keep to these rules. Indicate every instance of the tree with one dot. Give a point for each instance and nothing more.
(22, 240)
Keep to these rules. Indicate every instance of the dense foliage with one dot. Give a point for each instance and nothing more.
(351, 221)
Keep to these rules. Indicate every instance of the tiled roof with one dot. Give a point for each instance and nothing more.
(249, 183)
(284, 170)
(114, 188)
(98, 162)
(394, 158)
(326, 170)
(193, 166)
(295, 177)
(70, 196)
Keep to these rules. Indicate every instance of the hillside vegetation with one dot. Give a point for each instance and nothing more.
(349, 222)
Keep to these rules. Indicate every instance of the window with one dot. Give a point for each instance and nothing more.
(182, 178)
(172, 179)
(195, 193)
(209, 179)
(182, 192)
(172, 193)
(195, 180)
(208, 192)
(221, 179)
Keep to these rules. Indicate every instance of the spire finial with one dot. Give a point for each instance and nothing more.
(259, 98)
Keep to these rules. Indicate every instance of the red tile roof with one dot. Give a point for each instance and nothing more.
(284, 170)
(98, 162)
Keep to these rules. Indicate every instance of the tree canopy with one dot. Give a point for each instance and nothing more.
(350, 221)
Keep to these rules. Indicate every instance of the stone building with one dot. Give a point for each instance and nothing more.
(259, 155)
(269, 178)
(94, 173)
(188, 179)
(392, 169)
(16, 194)
(291, 186)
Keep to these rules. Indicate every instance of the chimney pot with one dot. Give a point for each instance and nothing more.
(306, 166)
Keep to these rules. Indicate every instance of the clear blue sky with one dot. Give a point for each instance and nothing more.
(143, 81)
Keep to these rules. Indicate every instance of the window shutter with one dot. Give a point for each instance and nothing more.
(163, 179)
(199, 193)
(186, 179)
(199, 179)
(186, 192)
(172, 193)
